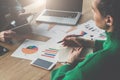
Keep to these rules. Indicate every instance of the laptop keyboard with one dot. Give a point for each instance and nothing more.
(60, 14)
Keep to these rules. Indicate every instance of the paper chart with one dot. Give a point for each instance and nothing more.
(29, 49)
(50, 52)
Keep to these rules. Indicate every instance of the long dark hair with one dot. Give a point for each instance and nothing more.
(112, 8)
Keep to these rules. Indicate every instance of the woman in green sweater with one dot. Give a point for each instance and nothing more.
(104, 62)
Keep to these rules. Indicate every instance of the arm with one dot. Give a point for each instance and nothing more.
(81, 70)
(67, 72)
(89, 69)
(70, 72)
(72, 68)
(86, 42)
(98, 45)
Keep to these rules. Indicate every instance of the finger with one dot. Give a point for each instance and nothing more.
(74, 35)
(73, 50)
(80, 45)
(68, 36)
(9, 34)
(62, 40)
(80, 48)
(6, 35)
(2, 39)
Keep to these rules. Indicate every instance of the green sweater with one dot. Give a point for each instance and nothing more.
(103, 64)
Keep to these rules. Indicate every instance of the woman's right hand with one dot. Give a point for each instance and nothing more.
(76, 41)
(71, 41)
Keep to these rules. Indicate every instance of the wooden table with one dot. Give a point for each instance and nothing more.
(12, 68)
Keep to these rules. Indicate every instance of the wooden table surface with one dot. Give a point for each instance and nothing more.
(12, 68)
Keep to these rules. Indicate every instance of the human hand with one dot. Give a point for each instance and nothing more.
(70, 41)
(74, 54)
(6, 35)
(76, 41)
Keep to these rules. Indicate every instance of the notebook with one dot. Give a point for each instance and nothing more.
(61, 11)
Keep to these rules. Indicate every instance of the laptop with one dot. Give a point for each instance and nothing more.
(61, 11)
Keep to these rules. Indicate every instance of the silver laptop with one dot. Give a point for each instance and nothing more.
(61, 11)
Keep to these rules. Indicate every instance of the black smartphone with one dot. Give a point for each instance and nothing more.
(3, 50)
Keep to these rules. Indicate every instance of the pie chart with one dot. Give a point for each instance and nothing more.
(30, 49)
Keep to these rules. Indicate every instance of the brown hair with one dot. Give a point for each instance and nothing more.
(112, 8)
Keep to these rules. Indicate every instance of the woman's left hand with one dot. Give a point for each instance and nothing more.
(74, 54)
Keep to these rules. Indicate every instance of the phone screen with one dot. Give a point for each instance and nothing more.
(42, 63)
(3, 50)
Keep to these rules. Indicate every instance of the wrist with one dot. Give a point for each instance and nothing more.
(81, 41)
(85, 42)
(91, 43)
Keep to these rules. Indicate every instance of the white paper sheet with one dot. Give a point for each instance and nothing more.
(42, 29)
(60, 28)
(32, 49)
(59, 32)
(29, 49)
(63, 54)
(91, 30)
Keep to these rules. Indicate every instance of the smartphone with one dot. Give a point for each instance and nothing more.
(3, 50)
(48, 65)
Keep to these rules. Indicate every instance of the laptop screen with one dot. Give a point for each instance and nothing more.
(65, 5)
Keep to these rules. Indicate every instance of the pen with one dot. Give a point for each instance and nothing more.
(70, 36)
(60, 41)
(19, 26)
